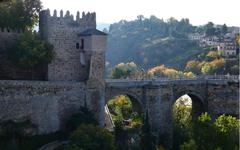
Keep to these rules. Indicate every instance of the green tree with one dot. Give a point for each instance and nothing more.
(224, 29)
(190, 145)
(204, 133)
(222, 134)
(127, 122)
(182, 119)
(91, 137)
(84, 116)
(206, 68)
(124, 70)
(227, 128)
(209, 29)
(147, 139)
(19, 14)
(30, 51)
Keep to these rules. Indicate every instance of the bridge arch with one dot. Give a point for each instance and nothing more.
(198, 103)
(136, 100)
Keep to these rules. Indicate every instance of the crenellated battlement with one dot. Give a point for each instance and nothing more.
(57, 20)
(83, 17)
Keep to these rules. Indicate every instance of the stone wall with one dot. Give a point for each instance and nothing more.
(46, 104)
(223, 98)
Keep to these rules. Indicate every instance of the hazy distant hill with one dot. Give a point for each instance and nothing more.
(101, 26)
(152, 41)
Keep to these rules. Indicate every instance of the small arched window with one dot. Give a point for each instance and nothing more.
(77, 46)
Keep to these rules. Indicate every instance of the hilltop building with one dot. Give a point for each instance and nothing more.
(226, 45)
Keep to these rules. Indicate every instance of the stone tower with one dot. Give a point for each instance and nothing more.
(79, 47)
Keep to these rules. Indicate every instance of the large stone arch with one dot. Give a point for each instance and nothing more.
(198, 103)
(135, 99)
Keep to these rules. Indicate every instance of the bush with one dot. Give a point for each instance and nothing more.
(85, 116)
(91, 137)
(190, 145)
(219, 135)
(22, 136)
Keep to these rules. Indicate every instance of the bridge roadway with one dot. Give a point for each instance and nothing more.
(163, 81)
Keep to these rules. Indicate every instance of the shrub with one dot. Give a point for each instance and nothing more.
(30, 51)
(91, 137)
(85, 116)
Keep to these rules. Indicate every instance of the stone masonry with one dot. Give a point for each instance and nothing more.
(75, 76)
(213, 95)
(73, 50)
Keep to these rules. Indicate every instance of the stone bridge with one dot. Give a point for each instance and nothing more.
(213, 94)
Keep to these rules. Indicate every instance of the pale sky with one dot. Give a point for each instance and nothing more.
(198, 11)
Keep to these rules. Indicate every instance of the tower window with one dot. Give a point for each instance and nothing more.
(77, 46)
(82, 43)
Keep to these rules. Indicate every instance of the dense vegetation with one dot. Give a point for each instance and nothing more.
(19, 14)
(127, 122)
(29, 51)
(90, 137)
(23, 136)
(207, 63)
(151, 42)
(203, 133)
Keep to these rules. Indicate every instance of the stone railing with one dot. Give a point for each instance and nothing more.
(207, 77)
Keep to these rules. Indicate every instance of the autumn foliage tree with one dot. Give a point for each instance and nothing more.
(163, 71)
(212, 64)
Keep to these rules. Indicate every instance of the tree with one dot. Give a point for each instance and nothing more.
(209, 29)
(147, 139)
(213, 55)
(190, 145)
(30, 51)
(193, 66)
(204, 133)
(91, 137)
(206, 68)
(84, 116)
(227, 128)
(224, 29)
(189, 74)
(19, 14)
(238, 39)
(127, 122)
(124, 70)
(222, 134)
(217, 65)
(182, 117)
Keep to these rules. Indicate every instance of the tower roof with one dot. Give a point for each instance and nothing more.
(90, 32)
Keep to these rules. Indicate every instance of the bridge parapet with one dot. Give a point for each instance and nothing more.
(164, 81)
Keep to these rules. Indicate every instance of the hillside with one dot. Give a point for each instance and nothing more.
(152, 41)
